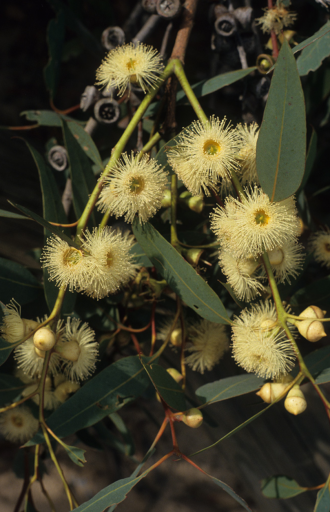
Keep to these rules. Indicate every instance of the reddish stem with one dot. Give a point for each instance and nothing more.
(153, 329)
(136, 344)
(273, 35)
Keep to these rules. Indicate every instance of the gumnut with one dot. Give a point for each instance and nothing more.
(312, 330)
(44, 339)
(193, 418)
(271, 390)
(295, 402)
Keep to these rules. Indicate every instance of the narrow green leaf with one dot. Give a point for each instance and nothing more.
(106, 393)
(12, 215)
(55, 40)
(43, 117)
(316, 49)
(318, 363)
(166, 387)
(17, 282)
(5, 350)
(124, 432)
(10, 388)
(280, 487)
(231, 492)
(323, 498)
(205, 87)
(139, 256)
(281, 146)
(310, 159)
(83, 179)
(86, 143)
(228, 388)
(44, 223)
(75, 454)
(180, 276)
(214, 84)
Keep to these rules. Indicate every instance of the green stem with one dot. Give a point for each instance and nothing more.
(41, 387)
(120, 146)
(58, 467)
(150, 144)
(174, 202)
(181, 76)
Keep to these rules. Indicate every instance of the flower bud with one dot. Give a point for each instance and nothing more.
(29, 325)
(295, 402)
(176, 337)
(312, 330)
(276, 256)
(166, 201)
(195, 203)
(44, 339)
(68, 350)
(192, 255)
(65, 389)
(175, 374)
(193, 418)
(271, 390)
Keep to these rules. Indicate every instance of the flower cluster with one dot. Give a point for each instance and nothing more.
(205, 154)
(73, 349)
(248, 228)
(319, 244)
(128, 65)
(133, 186)
(101, 266)
(209, 343)
(259, 344)
(276, 19)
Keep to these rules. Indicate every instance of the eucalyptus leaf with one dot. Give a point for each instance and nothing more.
(107, 392)
(180, 276)
(323, 498)
(139, 256)
(76, 454)
(170, 391)
(312, 39)
(12, 215)
(281, 145)
(86, 143)
(205, 87)
(231, 492)
(83, 179)
(10, 388)
(43, 117)
(5, 350)
(228, 388)
(55, 40)
(281, 487)
(53, 229)
(17, 282)
(52, 211)
(317, 50)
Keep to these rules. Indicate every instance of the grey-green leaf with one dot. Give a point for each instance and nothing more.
(167, 388)
(76, 454)
(83, 179)
(17, 282)
(231, 492)
(228, 388)
(86, 143)
(281, 146)
(106, 393)
(10, 388)
(280, 487)
(180, 276)
(5, 350)
(315, 52)
(323, 499)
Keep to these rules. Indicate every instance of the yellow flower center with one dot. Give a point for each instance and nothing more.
(17, 421)
(72, 257)
(211, 147)
(131, 65)
(261, 217)
(327, 247)
(110, 259)
(136, 185)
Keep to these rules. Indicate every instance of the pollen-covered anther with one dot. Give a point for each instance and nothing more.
(44, 339)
